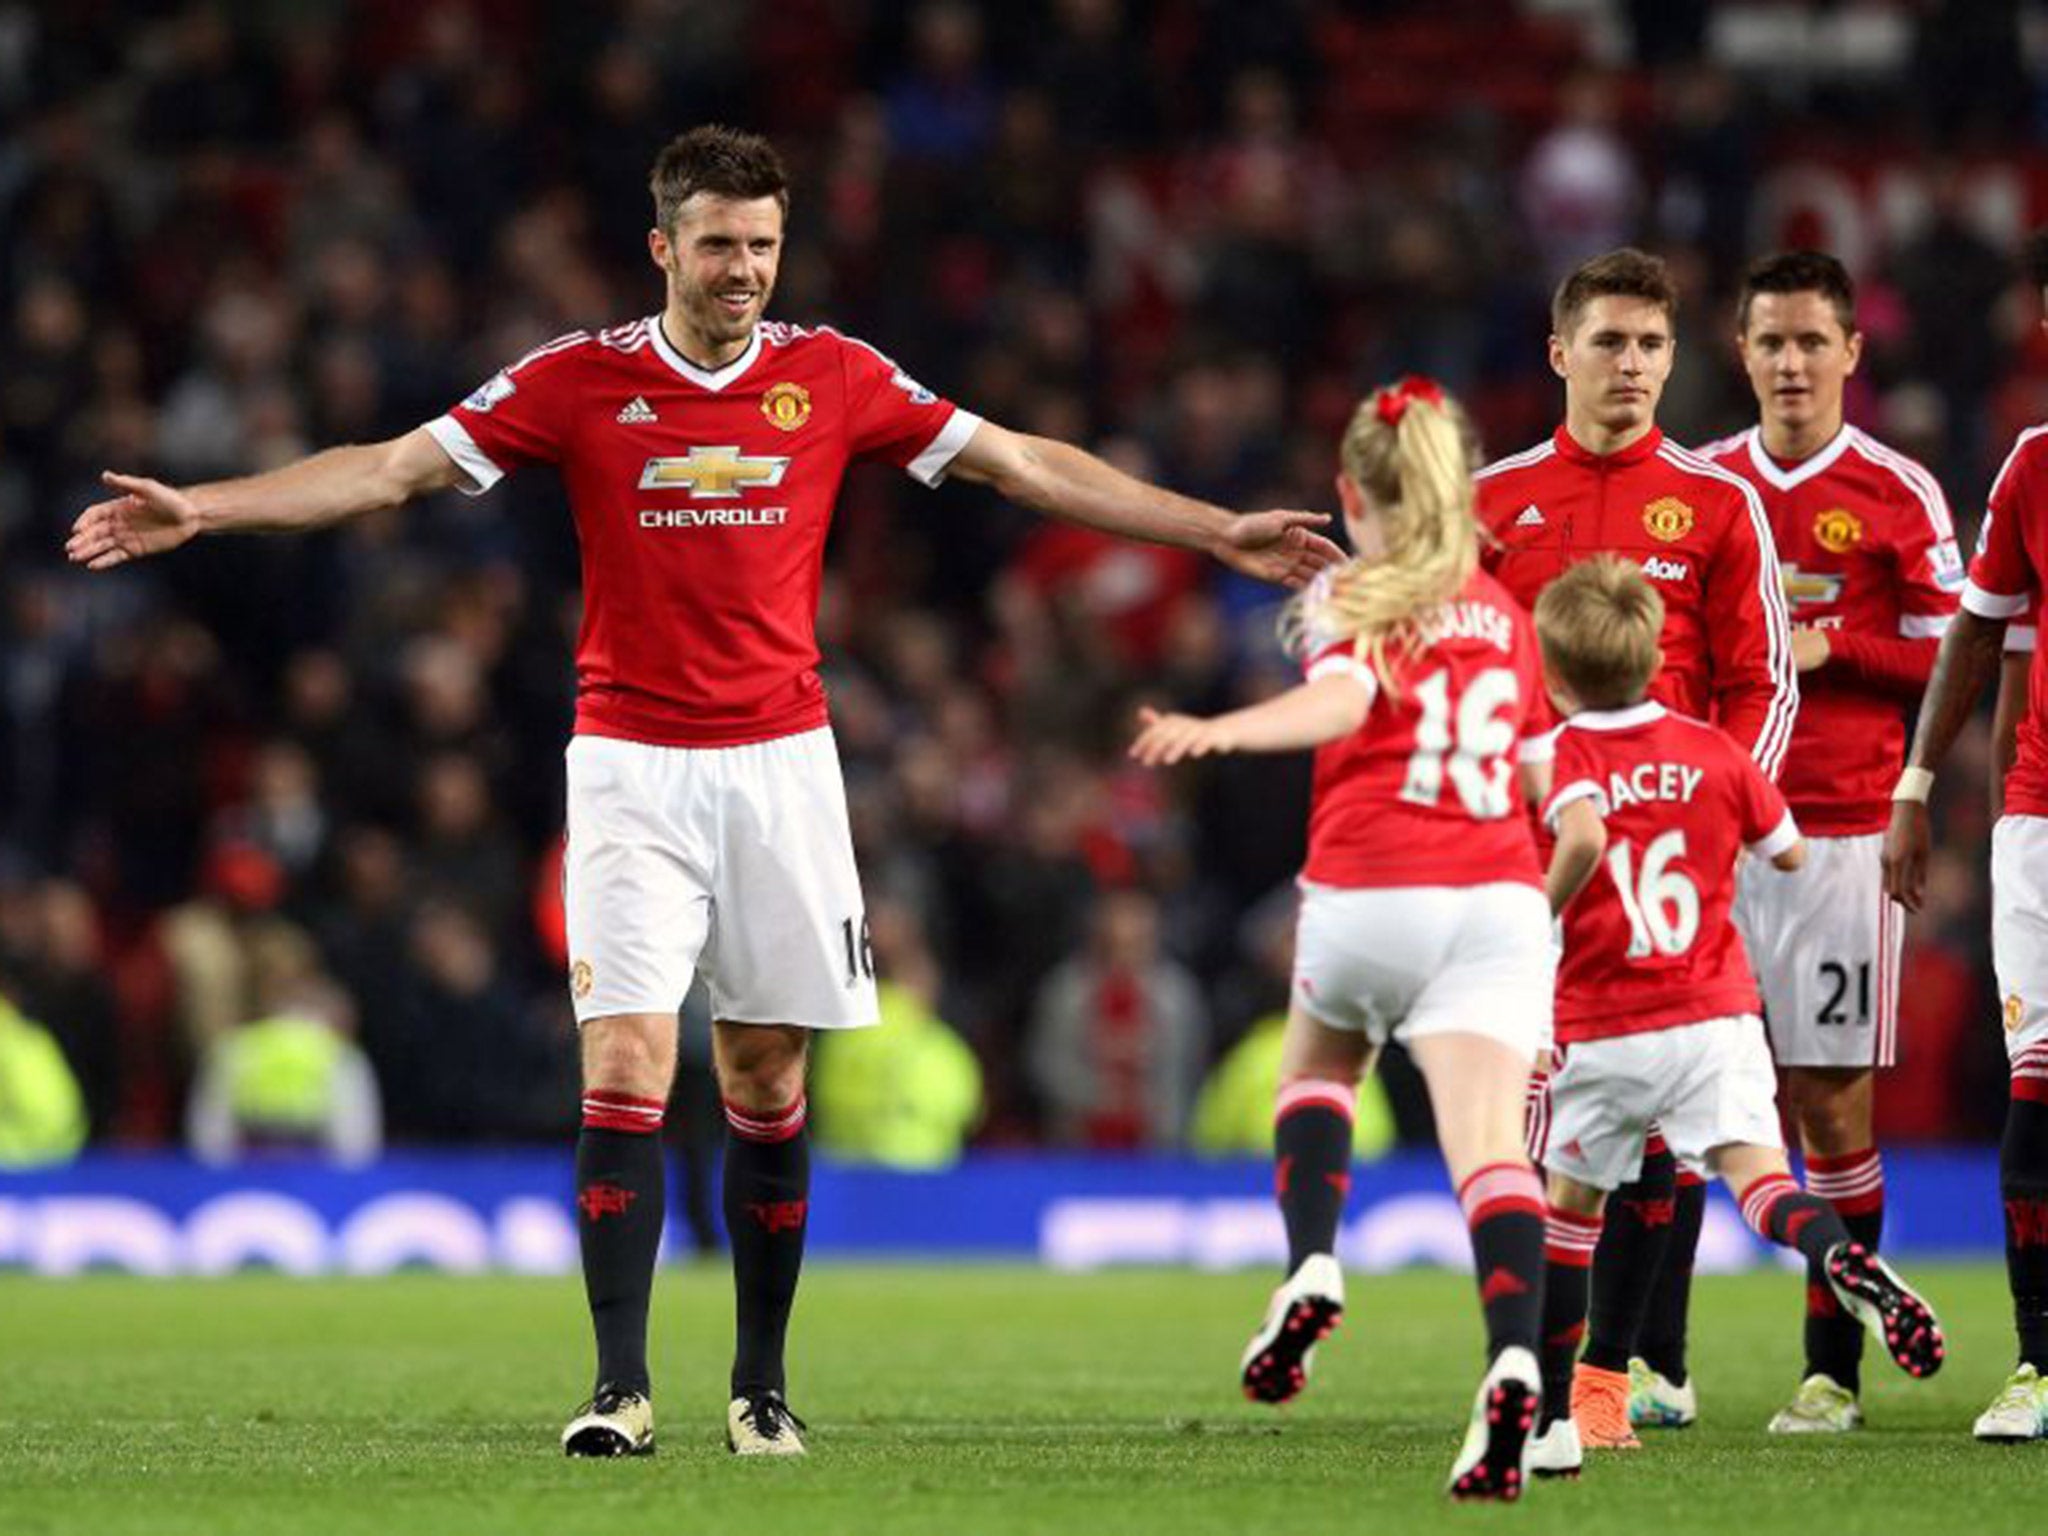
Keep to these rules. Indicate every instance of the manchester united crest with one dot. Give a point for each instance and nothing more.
(1668, 518)
(788, 406)
(2015, 1013)
(580, 979)
(1838, 530)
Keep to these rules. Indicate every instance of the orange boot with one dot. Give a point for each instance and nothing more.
(1600, 1409)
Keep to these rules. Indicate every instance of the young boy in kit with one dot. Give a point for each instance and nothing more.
(1657, 1010)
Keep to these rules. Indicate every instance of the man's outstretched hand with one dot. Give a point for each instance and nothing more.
(1908, 843)
(1280, 547)
(146, 517)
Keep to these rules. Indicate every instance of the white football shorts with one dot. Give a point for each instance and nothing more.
(1409, 961)
(735, 860)
(1824, 943)
(1705, 1085)
(2019, 938)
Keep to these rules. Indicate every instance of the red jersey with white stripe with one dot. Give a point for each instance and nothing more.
(1648, 943)
(1700, 535)
(2005, 583)
(1869, 555)
(702, 500)
(2023, 634)
(1425, 791)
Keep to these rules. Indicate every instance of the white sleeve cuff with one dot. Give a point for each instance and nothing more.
(930, 466)
(1923, 626)
(2022, 637)
(1540, 748)
(1578, 789)
(474, 463)
(1777, 840)
(1992, 605)
(1346, 666)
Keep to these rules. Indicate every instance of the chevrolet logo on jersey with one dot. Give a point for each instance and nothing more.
(1809, 586)
(721, 473)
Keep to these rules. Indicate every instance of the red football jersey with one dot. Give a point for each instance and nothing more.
(1425, 791)
(1700, 535)
(702, 500)
(1648, 943)
(2006, 583)
(2023, 635)
(1868, 554)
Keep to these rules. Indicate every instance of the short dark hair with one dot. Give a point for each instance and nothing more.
(2034, 257)
(1800, 272)
(722, 161)
(1627, 273)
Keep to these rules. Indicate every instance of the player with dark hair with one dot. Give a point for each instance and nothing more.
(1871, 573)
(1422, 917)
(1607, 482)
(702, 449)
(2005, 584)
(1656, 1006)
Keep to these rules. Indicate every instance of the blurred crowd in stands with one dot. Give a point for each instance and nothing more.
(321, 777)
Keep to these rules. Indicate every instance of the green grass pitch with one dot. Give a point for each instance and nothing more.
(946, 1399)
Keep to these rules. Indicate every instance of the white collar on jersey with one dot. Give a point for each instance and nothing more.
(1617, 719)
(702, 378)
(1806, 468)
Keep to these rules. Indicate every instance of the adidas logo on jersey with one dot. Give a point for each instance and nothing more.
(1530, 518)
(636, 411)
(1657, 568)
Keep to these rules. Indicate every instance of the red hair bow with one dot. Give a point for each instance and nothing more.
(1394, 398)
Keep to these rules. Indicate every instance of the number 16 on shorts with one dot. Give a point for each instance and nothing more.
(1825, 944)
(860, 950)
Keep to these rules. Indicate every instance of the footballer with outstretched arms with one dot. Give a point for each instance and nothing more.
(2007, 577)
(1872, 574)
(702, 450)
(1656, 1006)
(1609, 482)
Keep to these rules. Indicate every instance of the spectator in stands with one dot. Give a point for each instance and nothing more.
(289, 1079)
(906, 1093)
(1118, 1037)
(51, 951)
(42, 1113)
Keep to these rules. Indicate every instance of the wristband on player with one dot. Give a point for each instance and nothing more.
(1914, 784)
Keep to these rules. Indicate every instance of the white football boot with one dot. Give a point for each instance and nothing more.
(612, 1423)
(1493, 1463)
(2019, 1412)
(762, 1425)
(1304, 1311)
(1653, 1403)
(1821, 1406)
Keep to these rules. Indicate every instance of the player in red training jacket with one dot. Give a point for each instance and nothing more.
(1656, 1007)
(1422, 915)
(1872, 574)
(1607, 482)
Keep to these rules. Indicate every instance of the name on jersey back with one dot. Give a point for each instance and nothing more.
(1649, 782)
(1469, 621)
